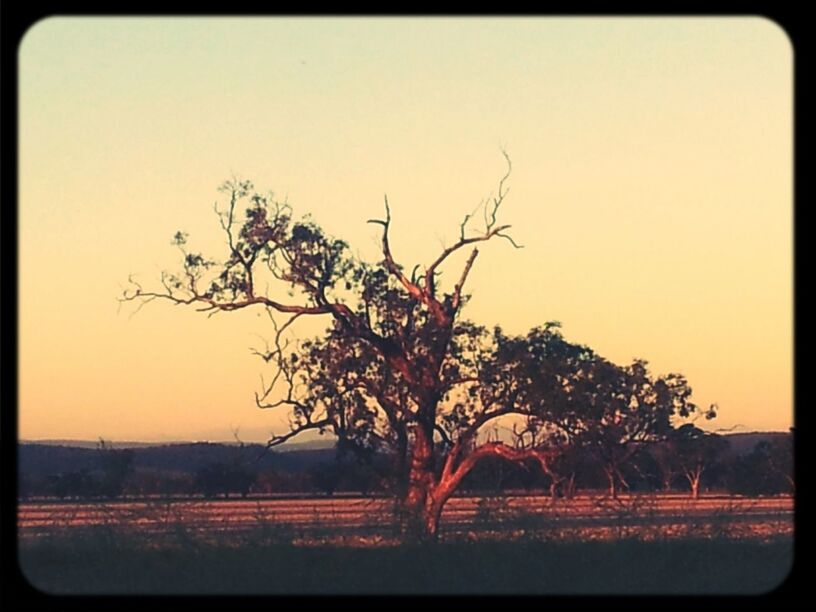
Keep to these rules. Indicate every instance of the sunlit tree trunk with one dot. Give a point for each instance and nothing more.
(433, 512)
(694, 477)
(437, 497)
(419, 501)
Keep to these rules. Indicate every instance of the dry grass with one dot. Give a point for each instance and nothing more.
(105, 563)
(586, 517)
(633, 545)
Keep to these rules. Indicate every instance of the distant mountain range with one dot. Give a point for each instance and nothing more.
(744, 442)
(37, 459)
(321, 443)
(739, 442)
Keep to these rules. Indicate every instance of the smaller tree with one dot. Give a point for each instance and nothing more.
(766, 470)
(241, 471)
(664, 454)
(780, 460)
(326, 476)
(223, 478)
(628, 410)
(560, 468)
(696, 451)
(564, 470)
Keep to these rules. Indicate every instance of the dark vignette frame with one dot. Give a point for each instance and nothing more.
(19, 594)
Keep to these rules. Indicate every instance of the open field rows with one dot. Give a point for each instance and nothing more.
(500, 545)
(669, 513)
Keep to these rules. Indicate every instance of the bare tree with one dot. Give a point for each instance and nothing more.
(398, 370)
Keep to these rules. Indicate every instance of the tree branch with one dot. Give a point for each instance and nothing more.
(390, 264)
(413, 289)
(469, 434)
(444, 435)
(209, 304)
(457, 291)
(277, 440)
(491, 230)
(450, 479)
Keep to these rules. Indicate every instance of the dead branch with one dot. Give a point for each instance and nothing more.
(490, 230)
(296, 430)
(413, 289)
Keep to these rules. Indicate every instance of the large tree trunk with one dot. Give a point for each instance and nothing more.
(419, 503)
(433, 511)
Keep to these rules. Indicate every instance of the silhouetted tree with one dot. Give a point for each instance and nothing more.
(73, 484)
(398, 370)
(696, 451)
(218, 478)
(766, 470)
(780, 461)
(115, 467)
(614, 412)
(326, 477)
(664, 454)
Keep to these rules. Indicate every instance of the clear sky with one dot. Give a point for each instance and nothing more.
(652, 191)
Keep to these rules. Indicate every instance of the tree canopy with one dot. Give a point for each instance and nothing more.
(398, 370)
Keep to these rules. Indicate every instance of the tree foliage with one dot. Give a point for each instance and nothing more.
(398, 369)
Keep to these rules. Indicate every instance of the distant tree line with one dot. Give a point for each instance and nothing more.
(690, 461)
(105, 478)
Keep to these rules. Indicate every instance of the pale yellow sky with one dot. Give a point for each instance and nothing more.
(652, 189)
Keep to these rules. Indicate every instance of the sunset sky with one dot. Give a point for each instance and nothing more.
(651, 189)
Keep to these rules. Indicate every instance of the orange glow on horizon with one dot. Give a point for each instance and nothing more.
(651, 189)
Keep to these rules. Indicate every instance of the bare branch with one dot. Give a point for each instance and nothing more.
(510, 240)
(463, 225)
(429, 272)
(390, 264)
(502, 191)
(469, 434)
(451, 478)
(444, 435)
(208, 303)
(457, 290)
(413, 274)
(277, 440)
(283, 371)
(414, 290)
(491, 230)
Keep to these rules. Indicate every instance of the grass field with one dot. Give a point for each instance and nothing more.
(101, 565)
(636, 545)
(663, 514)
